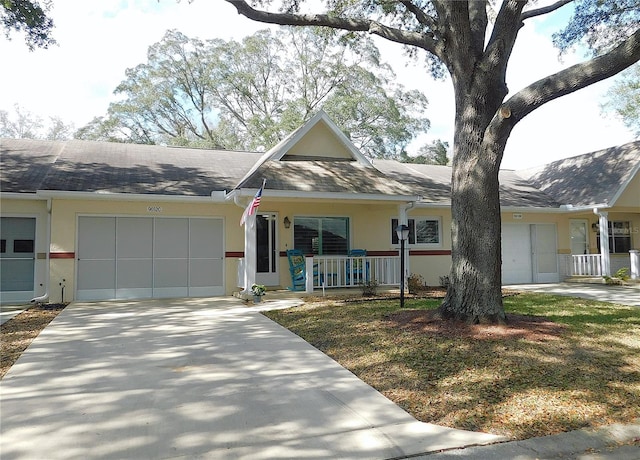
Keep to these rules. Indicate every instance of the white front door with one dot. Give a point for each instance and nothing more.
(545, 253)
(579, 237)
(267, 256)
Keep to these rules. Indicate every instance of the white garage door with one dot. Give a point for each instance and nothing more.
(142, 257)
(529, 254)
(17, 258)
(517, 267)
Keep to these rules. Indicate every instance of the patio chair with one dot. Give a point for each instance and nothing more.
(297, 269)
(360, 268)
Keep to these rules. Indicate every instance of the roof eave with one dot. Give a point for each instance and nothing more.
(216, 196)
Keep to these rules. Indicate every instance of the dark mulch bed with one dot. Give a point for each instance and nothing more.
(428, 322)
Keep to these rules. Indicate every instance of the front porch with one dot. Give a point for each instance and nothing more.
(340, 273)
(592, 268)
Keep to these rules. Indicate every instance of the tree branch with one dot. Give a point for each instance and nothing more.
(562, 83)
(544, 10)
(335, 22)
(422, 17)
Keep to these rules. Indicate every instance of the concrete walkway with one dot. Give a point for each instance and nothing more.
(624, 295)
(9, 311)
(196, 378)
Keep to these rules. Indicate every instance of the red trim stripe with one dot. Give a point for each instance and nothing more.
(62, 255)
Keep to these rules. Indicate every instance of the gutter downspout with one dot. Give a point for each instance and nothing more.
(44, 297)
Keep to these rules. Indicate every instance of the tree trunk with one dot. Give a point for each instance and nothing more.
(474, 294)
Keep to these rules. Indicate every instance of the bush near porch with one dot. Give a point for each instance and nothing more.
(561, 363)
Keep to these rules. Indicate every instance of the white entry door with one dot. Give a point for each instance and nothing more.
(17, 258)
(267, 256)
(142, 257)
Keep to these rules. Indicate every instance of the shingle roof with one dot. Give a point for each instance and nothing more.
(433, 183)
(324, 176)
(119, 168)
(84, 166)
(594, 178)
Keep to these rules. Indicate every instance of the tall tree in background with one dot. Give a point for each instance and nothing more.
(429, 154)
(23, 124)
(30, 17)
(624, 98)
(474, 47)
(248, 95)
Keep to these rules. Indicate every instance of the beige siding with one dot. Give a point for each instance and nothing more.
(320, 142)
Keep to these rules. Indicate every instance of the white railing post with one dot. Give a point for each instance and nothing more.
(634, 255)
(309, 272)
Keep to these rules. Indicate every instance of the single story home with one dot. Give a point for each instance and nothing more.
(95, 220)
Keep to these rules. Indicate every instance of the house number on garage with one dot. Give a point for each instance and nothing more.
(154, 208)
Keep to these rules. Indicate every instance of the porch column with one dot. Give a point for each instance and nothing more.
(603, 222)
(250, 257)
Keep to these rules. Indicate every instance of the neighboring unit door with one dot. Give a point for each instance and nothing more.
(545, 253)
(17, 258)
(142, 257)
(267, 256)
(516, 254)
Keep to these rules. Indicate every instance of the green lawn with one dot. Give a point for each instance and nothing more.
(579, 369)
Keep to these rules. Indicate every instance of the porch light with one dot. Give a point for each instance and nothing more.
(403, 233)
(286, 222)
(595, 226)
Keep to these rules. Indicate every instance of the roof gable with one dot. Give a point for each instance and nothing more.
(593, 179)
(319, 139)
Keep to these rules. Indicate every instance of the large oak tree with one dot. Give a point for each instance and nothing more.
(474, 42)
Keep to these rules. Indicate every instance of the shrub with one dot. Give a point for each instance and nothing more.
(369, 288)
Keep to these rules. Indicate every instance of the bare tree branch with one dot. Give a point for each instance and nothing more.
(564, 82)
(544, 10)
(350, 24)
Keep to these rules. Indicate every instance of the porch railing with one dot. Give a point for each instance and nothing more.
(586, 265)
(344, 271)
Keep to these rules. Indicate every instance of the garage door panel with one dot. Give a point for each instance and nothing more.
(171, 238)
(205, 238)
(170, 273)
(135, 238)
(97, 274)
(17, 275)
(206, 272)
(97, 237)
(516, 254)
(135, 273)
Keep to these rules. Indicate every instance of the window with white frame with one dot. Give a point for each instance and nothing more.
(619, 237)
(321, 235)
(423, 231)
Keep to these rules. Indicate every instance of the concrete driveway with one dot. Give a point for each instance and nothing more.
(624, 295)
(196, 378)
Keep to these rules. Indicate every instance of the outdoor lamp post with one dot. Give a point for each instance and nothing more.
(403, 233)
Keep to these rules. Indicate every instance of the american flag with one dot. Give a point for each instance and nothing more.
(253, 205)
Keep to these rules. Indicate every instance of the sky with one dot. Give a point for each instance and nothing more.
(98, 41)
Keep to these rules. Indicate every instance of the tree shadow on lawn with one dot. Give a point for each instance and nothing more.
(535, 376)
(532, 377)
